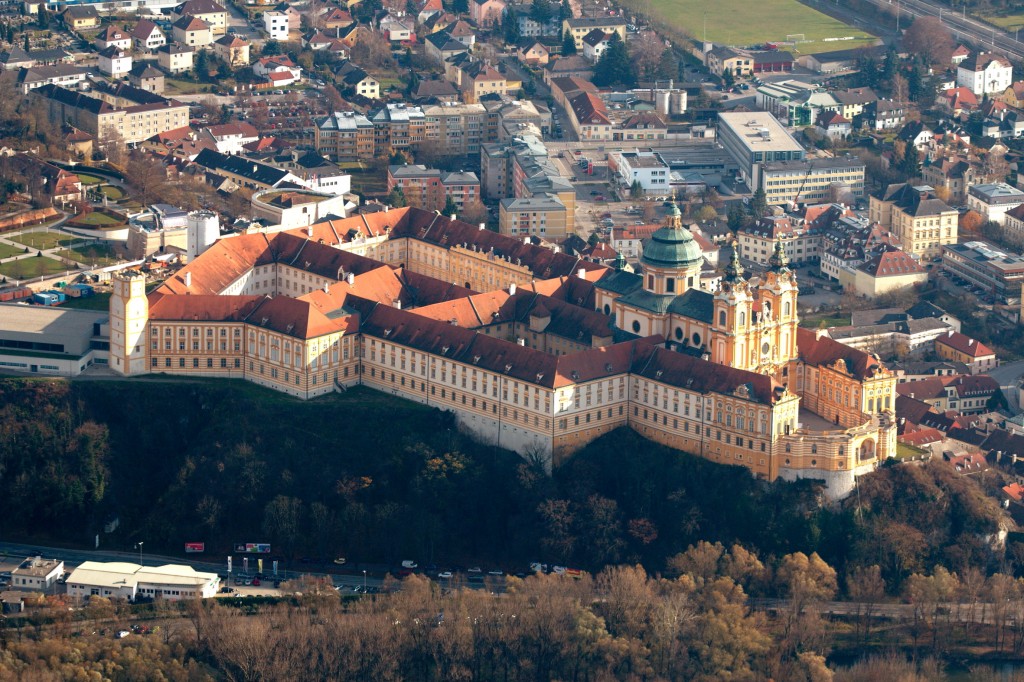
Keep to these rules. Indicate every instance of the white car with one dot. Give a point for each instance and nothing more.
(538, 567)
(121, 634)
(445, 575)
(558, 570)
(409, 563)
(474, 569)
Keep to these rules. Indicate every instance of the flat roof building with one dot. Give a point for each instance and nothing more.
(812, 180)
(42, 340)
(753, 138)
(986, 267)
(171, 582)
(37, 573)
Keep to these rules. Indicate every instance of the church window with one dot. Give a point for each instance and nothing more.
(721, 318)
(743, 318)
(696, 339)
(670, 285)
(679, 333)
(650, 281)
(785, 309)
(636, 326)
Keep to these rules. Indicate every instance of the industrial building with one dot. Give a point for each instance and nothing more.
(128, 581)
(39, 339)
(754, 138)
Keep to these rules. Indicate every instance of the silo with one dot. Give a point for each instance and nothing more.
(661, 102)
(203, 230)
(678, 102)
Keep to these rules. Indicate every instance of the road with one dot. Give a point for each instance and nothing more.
(962, 26)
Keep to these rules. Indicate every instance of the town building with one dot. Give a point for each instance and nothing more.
(175, 57)
(292, 208)
(37, 574)
(145, 77)
(647, 169)
(922, 222)
(121, 111)
(541, 216)
(112, 36)
(987, 268)
(208, 11)
(275, 24)
(79, 17)
(966, 394)
(985, 73)
(994, 200)
(64, 75)
(233, 50)
(344, 136)
(818, 180)
(147, 36)
(115, 62)
(486, 13)
(753, 139)
(957, 347)
(578, 27)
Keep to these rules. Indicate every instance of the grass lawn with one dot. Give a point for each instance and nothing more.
(369, 183)
(28, 268)
(184, 87)
(112, 193)
(905, 452)
(814, 321)
(43, 240)
(100, 254)
(6, 251)
(1009, 22)
(89, 179)
(96, 302)
(743, 23)
(96, 219)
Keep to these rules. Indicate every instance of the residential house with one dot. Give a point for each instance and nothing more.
(175, 57)
(115, 62)
(959, 347)
(647, 169)
(985, 73)
(573, 66)
(397, 28)
(833, 125)
(458, 128)
(461, 31)
(79, 17)
(113, 36)
(355, 81)
(1013, 96)
(531, 28)
(855, 101)
(334, 18)
(147, 36)
(192, 31)
(441, 46)
(579, 27)
(294, 16)
(232, 50)
(275, 25)
(486, 13)
(230, 138)
(533, 53)
(265, 66)
(16, 58)
(885, 114)
(965, 393)
(721, 58)
(146, 77)
(479, 79)
(433, 90)
(594, 44)
(589, 117)
(889, 270)
(208, 11)
(959, 55)
(957, 101)
(952, 174)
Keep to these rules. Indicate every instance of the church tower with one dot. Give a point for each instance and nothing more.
(732, 322)
(129, 315)
(777, 296)
(671, 258)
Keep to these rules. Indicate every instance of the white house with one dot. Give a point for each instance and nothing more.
(147, 36)
(275, 24)
(115, 61)
(994, 200)
(113, 36)
(229, 138)
(985, 73)
(279, 64)
(594, 44)
(647, 168)
(37, 573)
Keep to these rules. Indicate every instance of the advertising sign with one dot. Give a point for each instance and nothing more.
(252, 547)
(195, 547)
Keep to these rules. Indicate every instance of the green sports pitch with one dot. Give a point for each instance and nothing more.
(800, 28)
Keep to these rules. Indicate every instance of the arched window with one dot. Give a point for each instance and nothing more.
(607, 309)
(721, 318)
(785, 309)
(743, 318)
(650, 281)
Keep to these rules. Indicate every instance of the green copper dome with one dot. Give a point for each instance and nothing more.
(672, 247)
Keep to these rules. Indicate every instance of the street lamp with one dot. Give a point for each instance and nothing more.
(364, 581)
(138, 545)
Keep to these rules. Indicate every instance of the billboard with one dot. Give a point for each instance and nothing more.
(252, 547)
(195, 547)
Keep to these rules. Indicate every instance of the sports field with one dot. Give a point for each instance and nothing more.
(1010, 22)
(743, 23)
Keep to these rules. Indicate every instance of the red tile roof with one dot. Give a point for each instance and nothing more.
(826, 352)
(964, 344)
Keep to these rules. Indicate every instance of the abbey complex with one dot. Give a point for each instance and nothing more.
(534, 350)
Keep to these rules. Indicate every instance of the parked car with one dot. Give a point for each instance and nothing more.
(409, 563)
(445, 575)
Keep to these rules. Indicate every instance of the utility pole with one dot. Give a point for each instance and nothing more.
(705, 26)
(139, 545)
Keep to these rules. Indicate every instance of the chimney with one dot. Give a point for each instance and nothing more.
(350, 278)
(582, 273)
(820, 333)
(521, 342)
(453, 217)
(309, 230)
(970, 342)
(512, 289)
(188, 279)
(483, 226)
(397, 303)
(327, 288)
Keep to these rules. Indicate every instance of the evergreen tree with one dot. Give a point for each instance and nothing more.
(636, 190)
(668, 65)
(759, 204)
(541, 11)
(510, 26)
(43, 18)
(614, 67)
(737, 219)
(568, 44)
(450, 207)
(397, 198)
(26, 42)
(910, 164)
(460, 6)
(202, 66)
(728, 80)
(271, 48)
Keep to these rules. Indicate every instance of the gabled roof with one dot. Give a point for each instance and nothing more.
(111, 34)
(983, 60)
(964, 344)
(596, 37)
(589, 109)
(822, 351)
(892, 262)
(230, 40)
(194, 7)
(144, 29)
(190, 23)
(81, 12)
